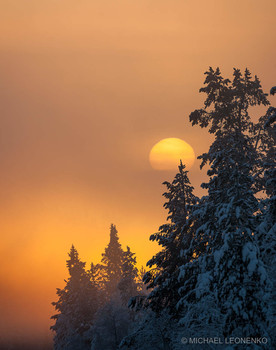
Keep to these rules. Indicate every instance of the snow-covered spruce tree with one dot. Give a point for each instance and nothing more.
(267, 146)
(98, 278)
(112, 260)
(266, 233)
(199, 313)
(154, 332)
(232, 268)
(116, 281)
(127, 285)
(111, 325)
(157, 328)
(174, 237)
(76, 306)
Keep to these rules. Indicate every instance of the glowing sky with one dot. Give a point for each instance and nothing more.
(86, 89)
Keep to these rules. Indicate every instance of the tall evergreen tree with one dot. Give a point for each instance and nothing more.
(112, 260)
(76, 306)
(197, 307)
(111, 325)
(98, 279)
(127, 285)
(114, 319)
(232, 267)
(266, 233)
(174, 238)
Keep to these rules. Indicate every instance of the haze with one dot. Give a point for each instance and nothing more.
(86, 89)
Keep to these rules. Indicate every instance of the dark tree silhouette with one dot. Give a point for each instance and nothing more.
(112, 261)
(76, 306)
(175, 238)
(128, 285)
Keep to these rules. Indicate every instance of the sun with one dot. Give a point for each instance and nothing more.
(167, 153)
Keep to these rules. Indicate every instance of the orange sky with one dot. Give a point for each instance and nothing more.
(86, 89)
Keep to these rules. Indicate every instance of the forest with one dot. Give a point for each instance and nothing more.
(212, 283)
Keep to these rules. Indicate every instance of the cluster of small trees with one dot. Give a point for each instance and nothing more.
(214, 275)
(92, 307)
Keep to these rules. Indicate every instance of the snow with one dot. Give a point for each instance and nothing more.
(203, 283)
(249, 255)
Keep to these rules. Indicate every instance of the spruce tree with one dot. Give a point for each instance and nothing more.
(197, 309)
(112, 260)
(98, 279)
(116, 281)
(76, 306)
(232, 268)
(174, 237)
(127, 285)
(266, 233)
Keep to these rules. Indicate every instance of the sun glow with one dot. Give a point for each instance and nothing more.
(167, 153)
